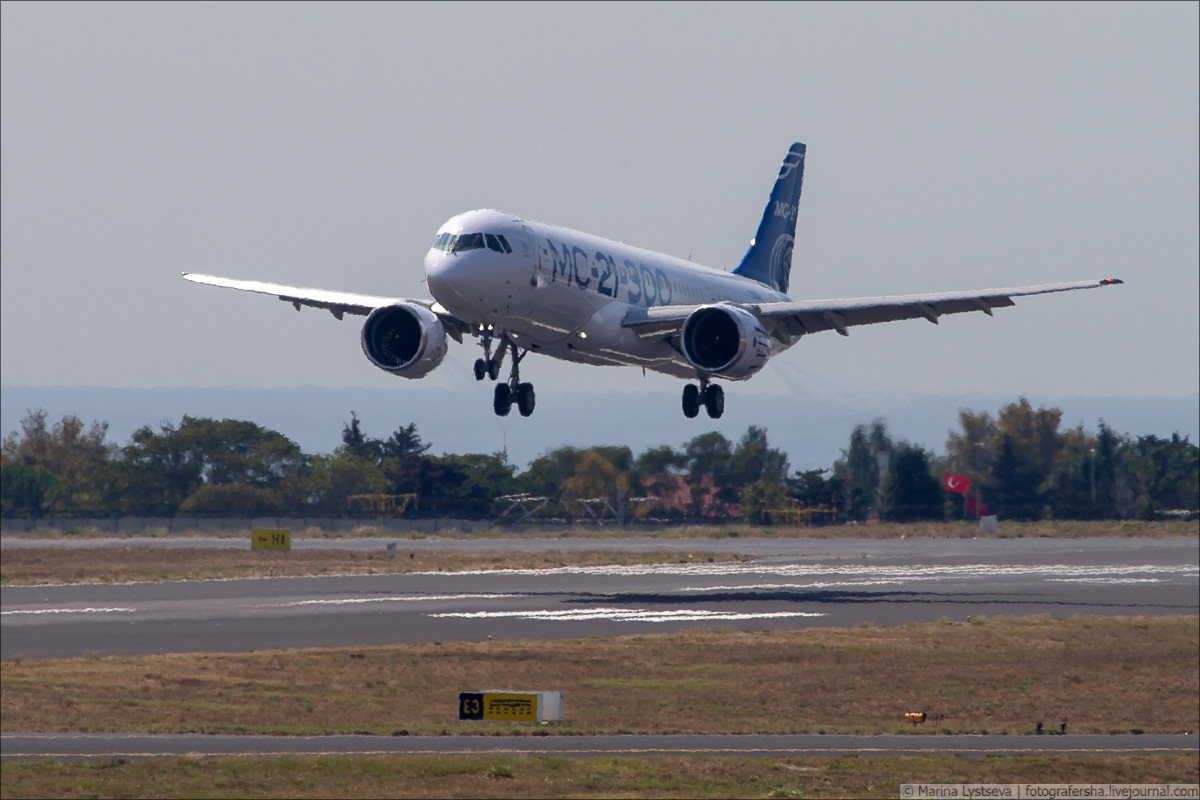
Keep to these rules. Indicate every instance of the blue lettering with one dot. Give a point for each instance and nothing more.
(647, 283)
(664, 283)
(634, 280)
(576, 252)
(560, 266)
(607, 264)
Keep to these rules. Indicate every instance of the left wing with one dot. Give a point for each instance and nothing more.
(337, 303)
(790, 320)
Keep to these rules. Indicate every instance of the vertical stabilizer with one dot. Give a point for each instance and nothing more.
(769, 259)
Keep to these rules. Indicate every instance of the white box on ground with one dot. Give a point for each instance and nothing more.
(513, 705)
(988, 524)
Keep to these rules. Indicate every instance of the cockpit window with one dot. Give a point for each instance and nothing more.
(468, 241)
(493, 242)
(444, 241)
(503, 242)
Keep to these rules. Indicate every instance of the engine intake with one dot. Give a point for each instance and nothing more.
(404, 339)
(725, 340)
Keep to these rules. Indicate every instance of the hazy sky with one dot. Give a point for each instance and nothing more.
(949, 147)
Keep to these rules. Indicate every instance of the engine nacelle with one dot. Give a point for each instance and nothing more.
(405, 340)
(725, 340)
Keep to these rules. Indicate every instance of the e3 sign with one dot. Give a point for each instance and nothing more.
(514, 706)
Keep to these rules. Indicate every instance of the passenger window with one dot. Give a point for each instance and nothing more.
(468, 241)
(503, 242)
(493, 243)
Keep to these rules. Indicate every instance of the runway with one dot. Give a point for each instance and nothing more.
(793, 583)
(93, 746)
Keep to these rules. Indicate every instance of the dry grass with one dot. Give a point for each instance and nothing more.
(1101, 675)
(42, 565)
(1057, 529)
(551, 776)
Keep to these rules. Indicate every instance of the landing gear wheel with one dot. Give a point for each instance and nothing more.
(502, 400)
(691, 400)
(714, 401)
(525, 399)
(493, 369)
(480, 369)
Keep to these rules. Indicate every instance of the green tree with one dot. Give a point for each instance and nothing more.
(860, 468)
(1013, 489)
(1069, 494)
(911, 492)
(811, 489)
(78, 457)
(23, 488)
(357, 444)
(331, 480)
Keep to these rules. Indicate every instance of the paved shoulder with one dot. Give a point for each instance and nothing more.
(89, 746)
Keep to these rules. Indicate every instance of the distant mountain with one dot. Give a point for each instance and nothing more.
(811, 431)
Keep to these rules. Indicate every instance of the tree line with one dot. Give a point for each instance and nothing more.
(1020, 463)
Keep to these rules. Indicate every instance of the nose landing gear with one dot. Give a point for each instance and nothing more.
(488, 366)
(710, 395)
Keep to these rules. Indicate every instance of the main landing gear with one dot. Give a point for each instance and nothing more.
(511, 391)
(710, 395)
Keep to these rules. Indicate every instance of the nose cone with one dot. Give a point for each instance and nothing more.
(453, 280)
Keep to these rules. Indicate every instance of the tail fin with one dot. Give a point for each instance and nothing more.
(769, 259)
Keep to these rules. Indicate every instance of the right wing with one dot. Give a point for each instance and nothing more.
(790, 319)
(337, 303)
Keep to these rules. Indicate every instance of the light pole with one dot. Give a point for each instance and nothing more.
(1093, 476)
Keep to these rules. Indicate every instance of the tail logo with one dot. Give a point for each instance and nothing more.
(793, 160)
(781, 262)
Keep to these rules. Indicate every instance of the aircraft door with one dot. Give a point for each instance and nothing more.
(529, 249)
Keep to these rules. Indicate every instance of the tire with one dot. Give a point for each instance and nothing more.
(714, 401)
(480, 369)
(493, 369)
(691, 400)
(525, 399)
(502, 400)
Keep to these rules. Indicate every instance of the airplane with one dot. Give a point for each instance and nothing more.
(519, 286)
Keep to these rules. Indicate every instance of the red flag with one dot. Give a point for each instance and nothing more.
(956, 483)
(976, 507)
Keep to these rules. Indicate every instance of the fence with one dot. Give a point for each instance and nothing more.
(151, 526)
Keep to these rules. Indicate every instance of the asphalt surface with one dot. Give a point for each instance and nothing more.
(93, 746)
(792, 583)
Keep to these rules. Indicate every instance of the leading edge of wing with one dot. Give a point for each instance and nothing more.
(337, 302)
(797, 317)
(852, 303)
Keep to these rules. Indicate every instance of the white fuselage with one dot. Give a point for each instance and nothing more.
(565, 293)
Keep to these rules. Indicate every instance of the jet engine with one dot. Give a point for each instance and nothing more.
(404, 339)
(725, 340)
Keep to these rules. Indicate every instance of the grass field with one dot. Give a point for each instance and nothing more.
(551, 776)
(1058, 529)
(1101, 675)
(38, 565)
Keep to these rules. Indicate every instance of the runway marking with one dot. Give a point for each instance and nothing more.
(885, 574)
(892, 573)
(68, 611)
(1107, 580)
(627, 615)
(393, 599)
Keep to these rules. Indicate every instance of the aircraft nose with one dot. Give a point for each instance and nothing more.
(445, 274)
